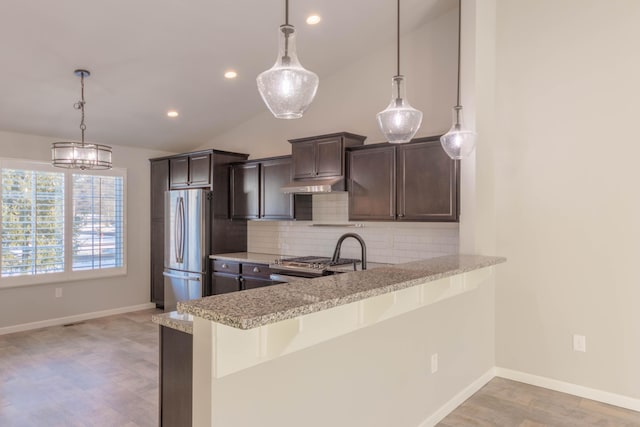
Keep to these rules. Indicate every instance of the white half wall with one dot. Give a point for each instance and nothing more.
(349, 99)
(378, 376)
(567, 194)
(37, 303)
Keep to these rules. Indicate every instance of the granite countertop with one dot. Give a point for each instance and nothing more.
(174, 320)
(257, 307)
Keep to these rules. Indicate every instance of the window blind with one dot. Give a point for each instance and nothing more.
(98, 222)
(32, 222)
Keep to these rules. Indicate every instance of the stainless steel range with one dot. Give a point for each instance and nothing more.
(313, 266)
(308, 266)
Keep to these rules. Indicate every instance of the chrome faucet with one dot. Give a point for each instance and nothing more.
(336, 252)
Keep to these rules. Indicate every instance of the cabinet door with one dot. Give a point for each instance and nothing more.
(427, 183)
(225, 283)
(176, 377)
(274, 203)
(255, 282)
(179, 172)
(200, 170)
(159, 184)
(372, 193)
(329, 157)
(245, 191)
(157, 262)
(304, 159)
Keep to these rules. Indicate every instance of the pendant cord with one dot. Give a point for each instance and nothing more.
(80, 106)
(459, 44)
(286, 12)
(398, 41)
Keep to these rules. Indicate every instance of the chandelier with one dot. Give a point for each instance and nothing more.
(81, 155)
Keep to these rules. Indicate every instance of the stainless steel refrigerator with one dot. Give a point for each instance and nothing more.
(187, 247)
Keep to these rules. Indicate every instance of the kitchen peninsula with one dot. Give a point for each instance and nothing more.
(322, 343)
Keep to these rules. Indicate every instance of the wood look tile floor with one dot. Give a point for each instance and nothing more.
(512, 404)
(104, 372)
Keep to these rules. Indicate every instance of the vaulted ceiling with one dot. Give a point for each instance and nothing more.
(149, 56)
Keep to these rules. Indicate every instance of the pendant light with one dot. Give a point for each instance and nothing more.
(287, 88)
(399, 122)
(459, 142)
(81, 155)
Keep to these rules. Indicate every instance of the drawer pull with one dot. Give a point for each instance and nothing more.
(224, 265)
(256, 270)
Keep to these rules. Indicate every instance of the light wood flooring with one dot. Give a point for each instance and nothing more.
(104, 372)
(512, 404)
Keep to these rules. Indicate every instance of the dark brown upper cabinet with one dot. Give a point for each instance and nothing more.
(256, 191)
(409, 182)
(245, 191)
(193, 170)
(322, 156)
(159, 184)
(427, 183)
(372, 184)
(274, 204)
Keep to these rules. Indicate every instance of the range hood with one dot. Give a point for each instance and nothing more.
(326, 185)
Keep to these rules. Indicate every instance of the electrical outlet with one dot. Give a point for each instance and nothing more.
(58, 292)
(579, 343)
(434, 363)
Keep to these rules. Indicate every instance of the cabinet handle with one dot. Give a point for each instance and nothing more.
(401, 216)
(256, 270)
(224, 265)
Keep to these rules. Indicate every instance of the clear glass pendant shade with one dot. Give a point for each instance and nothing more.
(287, 88)
(399, 122)
(459, 142)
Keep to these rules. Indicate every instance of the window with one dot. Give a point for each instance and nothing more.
(60, 225)
(32, 222)
(97, 222)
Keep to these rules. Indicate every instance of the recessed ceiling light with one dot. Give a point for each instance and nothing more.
(172, 113)
(313, 19)
(230, 74)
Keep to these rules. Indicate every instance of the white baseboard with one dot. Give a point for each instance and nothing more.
(72, 319)
(576, 390)
(457, 400)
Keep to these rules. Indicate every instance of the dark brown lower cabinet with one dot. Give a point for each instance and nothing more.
(254, 282)
(230, 276)
(176, 371)
(224, 283)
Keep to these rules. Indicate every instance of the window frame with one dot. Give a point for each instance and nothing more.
(68, 275)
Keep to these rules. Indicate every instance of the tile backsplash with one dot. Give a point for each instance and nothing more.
(390, 242)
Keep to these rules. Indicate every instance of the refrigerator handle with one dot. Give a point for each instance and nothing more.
(179, 231)
(177, 276)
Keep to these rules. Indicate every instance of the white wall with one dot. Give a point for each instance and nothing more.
(350, 99)
(36, 303)
(567, 194)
